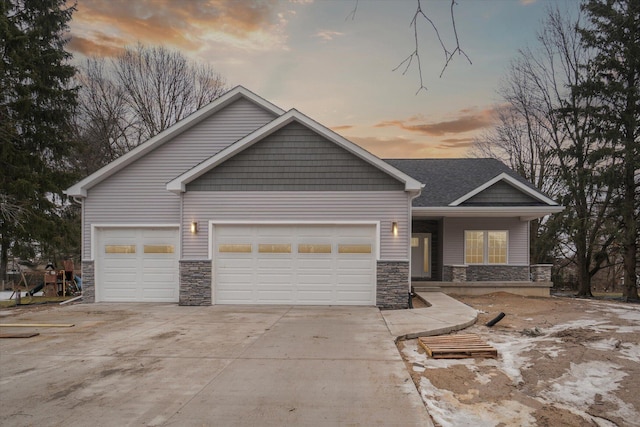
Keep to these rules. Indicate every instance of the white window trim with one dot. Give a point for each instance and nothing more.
(485, 247)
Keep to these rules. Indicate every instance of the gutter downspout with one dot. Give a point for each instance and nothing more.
(415, 195)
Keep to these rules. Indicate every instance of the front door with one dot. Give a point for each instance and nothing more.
(421, 255)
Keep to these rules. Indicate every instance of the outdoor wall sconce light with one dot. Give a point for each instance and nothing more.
(194, 227)
(394, 228)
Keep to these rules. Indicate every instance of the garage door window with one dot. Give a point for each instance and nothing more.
(354, 249)
(314, 249)
(275, 248)
(120, 249)
(159, 249)
(231, 248)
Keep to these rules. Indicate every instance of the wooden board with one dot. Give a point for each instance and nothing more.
(20, 335)
(37, 325)
(461, 346)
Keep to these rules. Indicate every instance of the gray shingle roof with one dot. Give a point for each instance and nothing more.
(447, 180)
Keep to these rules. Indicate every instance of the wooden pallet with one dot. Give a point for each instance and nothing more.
(461, 346)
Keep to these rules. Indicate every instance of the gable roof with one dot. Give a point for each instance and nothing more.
(80, 188)
(178, 184)
(451, 182)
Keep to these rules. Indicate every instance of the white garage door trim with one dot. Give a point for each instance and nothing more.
(289, 271)
(144, 257)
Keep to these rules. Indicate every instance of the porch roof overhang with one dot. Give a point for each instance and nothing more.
(525, 213)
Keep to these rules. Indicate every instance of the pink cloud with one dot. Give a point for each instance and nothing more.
(468, 120)
(182, 24)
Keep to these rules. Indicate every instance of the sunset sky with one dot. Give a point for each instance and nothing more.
(334, 67)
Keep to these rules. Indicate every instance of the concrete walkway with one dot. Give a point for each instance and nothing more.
(445, 315)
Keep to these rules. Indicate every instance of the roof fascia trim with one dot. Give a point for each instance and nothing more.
(511, 181)
(524, 212)
(178, 184)
(80, 188)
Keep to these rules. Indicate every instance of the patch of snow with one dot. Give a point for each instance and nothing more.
(510, 360)
(447, 410)
(483, 379)
(622, 329)
(578, 387)
(630, 351)
(594, 325)
(625, 410)
(418, 367)
(447, 363)
(605, 344)
(552, 351)
(410, 351)
(626, 312)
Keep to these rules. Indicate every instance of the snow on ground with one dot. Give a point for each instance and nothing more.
(579, 387)
(446, 410)
(584, 382)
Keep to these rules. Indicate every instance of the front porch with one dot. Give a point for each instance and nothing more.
(439, 253)
(461, 283)
(529, 289)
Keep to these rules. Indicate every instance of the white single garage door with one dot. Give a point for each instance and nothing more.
(295, 264)
(137, 265)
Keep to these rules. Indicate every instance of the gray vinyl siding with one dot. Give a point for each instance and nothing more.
(383, 206)
(453, 238)
(137, 194)
(502, 194)
(295, 158)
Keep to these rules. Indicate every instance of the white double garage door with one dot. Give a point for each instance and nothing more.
(306, 264)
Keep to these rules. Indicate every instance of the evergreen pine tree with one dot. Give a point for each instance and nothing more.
(614, 34)
(37, 102)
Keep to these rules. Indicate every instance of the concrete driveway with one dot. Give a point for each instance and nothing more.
(164, 365)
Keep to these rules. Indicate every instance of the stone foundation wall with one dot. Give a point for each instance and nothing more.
(195, 282)
(393, 284)
(88, 281)
(497, 273)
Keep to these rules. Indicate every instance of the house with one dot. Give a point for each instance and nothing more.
(245, 203)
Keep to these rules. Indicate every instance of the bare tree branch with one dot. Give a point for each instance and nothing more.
(448, 54)
(352, 14)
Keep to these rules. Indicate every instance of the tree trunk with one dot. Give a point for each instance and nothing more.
(630, 288)
(582, 266)
(584, 281)
(4, 252)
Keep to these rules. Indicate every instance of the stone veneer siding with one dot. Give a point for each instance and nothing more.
(195, 282)
(88, 281)
(541, 273)
(393, 284)
(486, 273)
(455, 273)
(495, 273)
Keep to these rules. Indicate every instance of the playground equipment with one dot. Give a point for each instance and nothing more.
(54, 282)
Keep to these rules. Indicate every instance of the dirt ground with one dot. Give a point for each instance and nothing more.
(561, 362)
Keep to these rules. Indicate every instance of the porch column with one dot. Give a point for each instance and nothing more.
(455, 273)
(541, 272)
